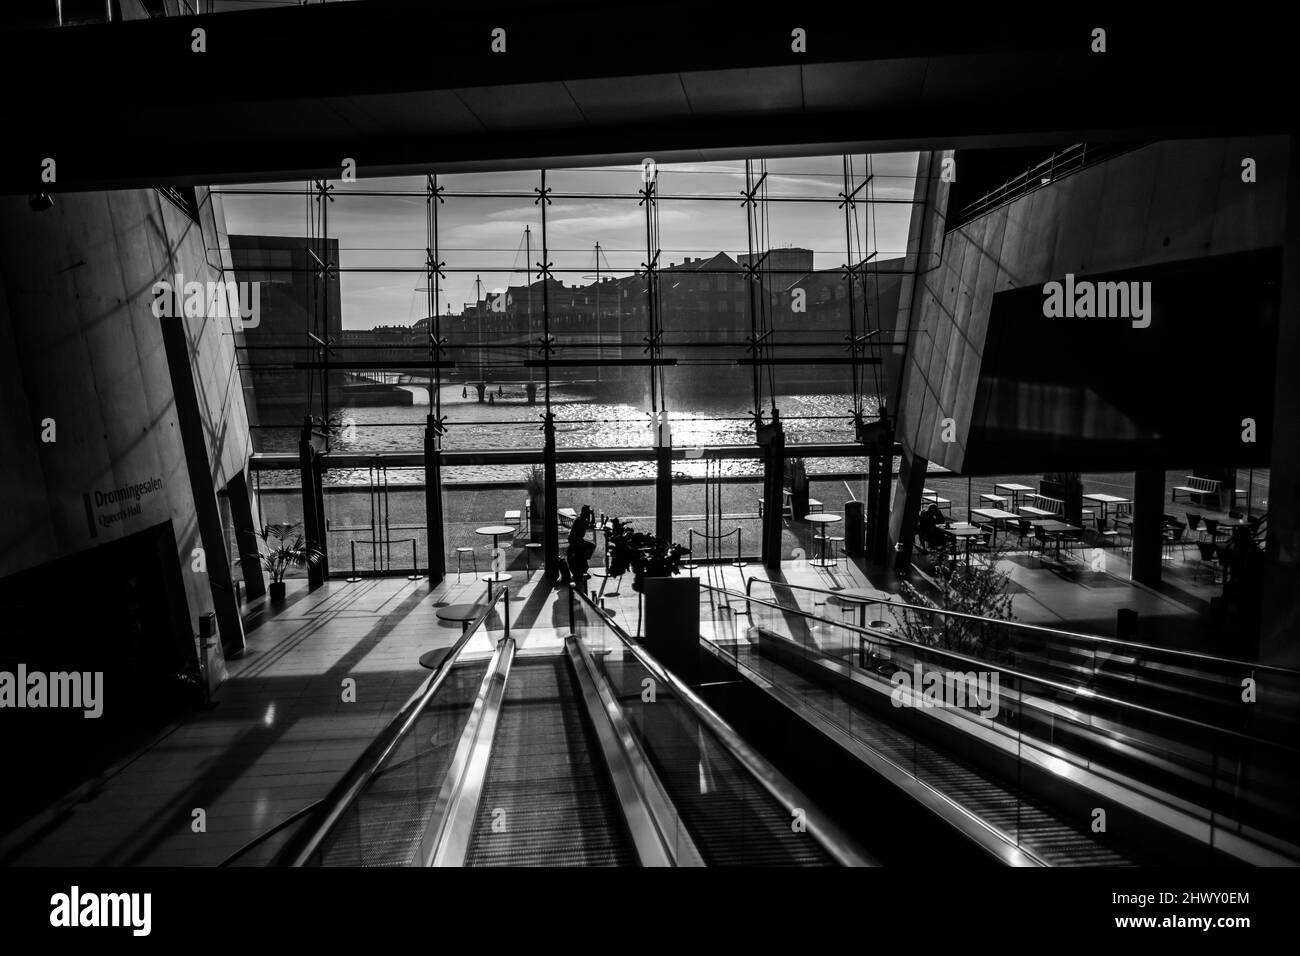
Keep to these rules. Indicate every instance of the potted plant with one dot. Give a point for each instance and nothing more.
(535, 484)
(643, 554)
(283, 550)
(978, 589)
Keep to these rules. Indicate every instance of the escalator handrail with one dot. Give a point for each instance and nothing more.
(1013, 672)
(300, 847)
(837, 844)
(268, 833)
(1021, 626)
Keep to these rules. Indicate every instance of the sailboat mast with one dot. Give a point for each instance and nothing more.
(600, 336)
(478, 307)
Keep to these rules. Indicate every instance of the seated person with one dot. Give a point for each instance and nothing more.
(580, 550)
(929, 528)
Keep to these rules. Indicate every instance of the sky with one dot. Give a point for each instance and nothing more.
(382, 238)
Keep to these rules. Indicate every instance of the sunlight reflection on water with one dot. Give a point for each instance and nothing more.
(580, 423)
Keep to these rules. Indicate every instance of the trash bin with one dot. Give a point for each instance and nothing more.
(854, 528)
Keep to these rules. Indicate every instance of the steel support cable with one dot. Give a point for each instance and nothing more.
(877, 344)
(856, 253)
(755, 339)
(657, 316)
(323, 199)
(764, 286)
(433, 291)
(651, 252)
(850, 274)
(311, 243)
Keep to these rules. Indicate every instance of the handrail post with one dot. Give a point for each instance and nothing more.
(354, 579)
(415, 574)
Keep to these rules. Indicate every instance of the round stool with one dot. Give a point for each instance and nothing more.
(836, 550)
(529, 548)
(460, 556)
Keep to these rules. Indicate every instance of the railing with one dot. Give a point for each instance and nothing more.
(381, 556)
(1040, 633)
(308, 841)
(1223, 788)
(629, 670)
(713, 552)
(265, 835)
(1060, 163)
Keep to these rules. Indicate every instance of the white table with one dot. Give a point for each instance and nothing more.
(824, 519)
(1015, 490)
(995, 515)
(1106, 501)
(496, 531)
(928, 494)
(1037, 512)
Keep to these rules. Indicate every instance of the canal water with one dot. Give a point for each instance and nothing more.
(582, 421)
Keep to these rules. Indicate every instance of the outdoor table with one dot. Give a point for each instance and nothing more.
(823, 518)
(964, 534)
(932, 496)
(1037, 512)
(1015, 490)
(460, 612)
(1227, 525)
(995, 499)
(862, 597)
(495, 531)
(1106, 501)
(995, 515)
(1055, 529)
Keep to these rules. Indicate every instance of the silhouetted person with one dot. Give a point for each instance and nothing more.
(464, 392)
(928, 529)
(580, 549)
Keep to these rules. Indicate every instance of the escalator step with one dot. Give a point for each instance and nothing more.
(546, 800)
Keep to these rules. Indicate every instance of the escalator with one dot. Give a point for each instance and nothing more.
(563, 757)
(385, 823)
(735, 823)
(1200, 686)
(547, 799)
(1033, 761)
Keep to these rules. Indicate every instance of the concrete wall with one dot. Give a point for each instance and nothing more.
(1168, 202)
(80, 345)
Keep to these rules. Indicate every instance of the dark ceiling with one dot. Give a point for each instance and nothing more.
(287, 93)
